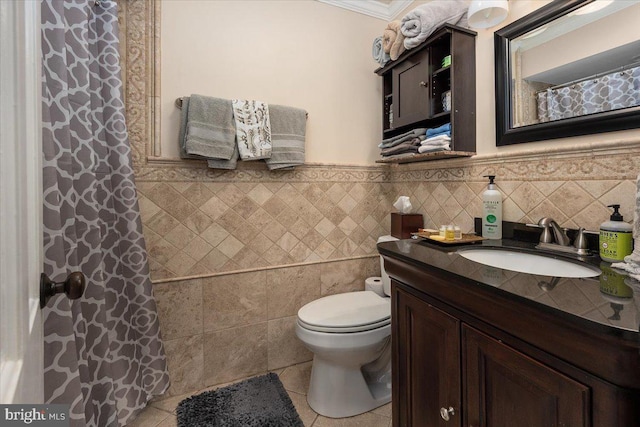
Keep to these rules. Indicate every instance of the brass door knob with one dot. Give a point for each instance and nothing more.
(73, 287)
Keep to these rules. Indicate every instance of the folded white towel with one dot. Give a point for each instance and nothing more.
(253, 129)
(418, 24)
(437, 140)
(432, 148)
(631, 262)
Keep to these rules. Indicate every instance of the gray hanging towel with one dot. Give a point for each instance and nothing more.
(207, 127)
(288, 129)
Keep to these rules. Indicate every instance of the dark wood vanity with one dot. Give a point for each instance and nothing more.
(494, 348)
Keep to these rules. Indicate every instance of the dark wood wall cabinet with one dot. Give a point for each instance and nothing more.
(467, 356)
(416, 85)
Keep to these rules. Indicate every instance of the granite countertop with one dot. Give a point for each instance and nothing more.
(611, 299)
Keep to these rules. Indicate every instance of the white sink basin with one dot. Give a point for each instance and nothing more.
(529, 263)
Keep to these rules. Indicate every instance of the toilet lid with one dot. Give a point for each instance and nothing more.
(348, 312)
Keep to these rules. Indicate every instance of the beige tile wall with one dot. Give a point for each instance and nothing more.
(221, 328)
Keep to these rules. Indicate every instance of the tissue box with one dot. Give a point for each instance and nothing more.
(402, 225)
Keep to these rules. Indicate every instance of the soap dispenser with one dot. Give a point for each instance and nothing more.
(491, 211)
(616, 237)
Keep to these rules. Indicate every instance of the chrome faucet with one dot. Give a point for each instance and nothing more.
(559, 234)
(555, 237)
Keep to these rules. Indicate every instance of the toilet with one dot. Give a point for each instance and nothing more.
(350, 337)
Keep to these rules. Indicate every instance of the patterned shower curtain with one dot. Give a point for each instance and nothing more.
(612, 91)
(103, 352)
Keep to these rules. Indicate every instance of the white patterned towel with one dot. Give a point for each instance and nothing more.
(631, 262)
(253, 129)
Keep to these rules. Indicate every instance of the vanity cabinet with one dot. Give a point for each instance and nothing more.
(449, 373)
(484, 357)
(420, 90)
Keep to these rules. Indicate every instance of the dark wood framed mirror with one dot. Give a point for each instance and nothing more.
(569, 68)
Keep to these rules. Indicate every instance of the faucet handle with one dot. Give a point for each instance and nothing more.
(580, 242)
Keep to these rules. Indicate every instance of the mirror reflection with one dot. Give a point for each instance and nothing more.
(585, 62)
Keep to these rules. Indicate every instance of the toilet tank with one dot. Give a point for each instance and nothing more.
(386, 281)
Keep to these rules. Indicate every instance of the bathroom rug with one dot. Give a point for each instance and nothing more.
(256, 402)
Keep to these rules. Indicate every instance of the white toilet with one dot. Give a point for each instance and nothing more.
(350, 337)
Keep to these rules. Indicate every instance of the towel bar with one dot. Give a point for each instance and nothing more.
(180, 99)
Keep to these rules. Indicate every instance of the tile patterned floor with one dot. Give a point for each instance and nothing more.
(161, 413)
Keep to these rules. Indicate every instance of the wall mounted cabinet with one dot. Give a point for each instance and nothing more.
(421, 90)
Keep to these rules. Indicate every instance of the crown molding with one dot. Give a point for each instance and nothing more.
(372, 8)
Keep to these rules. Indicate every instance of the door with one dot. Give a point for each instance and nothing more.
(425, 363)
(21, 348)
(505, 388)
(410, 83)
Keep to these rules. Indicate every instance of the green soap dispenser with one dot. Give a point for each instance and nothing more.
(616, 237)
(491, 211)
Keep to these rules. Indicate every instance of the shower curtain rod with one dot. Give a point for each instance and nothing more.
(595, 76)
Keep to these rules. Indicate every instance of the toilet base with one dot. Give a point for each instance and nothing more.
(338, 391)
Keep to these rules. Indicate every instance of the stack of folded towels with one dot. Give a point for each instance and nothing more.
(437, 139)
(403, 145)
(417, 141)
(222, 130)
(416, 26)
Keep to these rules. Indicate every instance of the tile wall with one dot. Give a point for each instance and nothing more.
(235, 254)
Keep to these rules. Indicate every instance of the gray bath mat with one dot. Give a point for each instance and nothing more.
(256, 402)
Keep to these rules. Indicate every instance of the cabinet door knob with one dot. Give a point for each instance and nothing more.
(447, 413)
(423, 84)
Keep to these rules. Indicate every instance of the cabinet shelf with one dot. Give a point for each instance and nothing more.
(416, 89)
(438, 155)
(441, 70)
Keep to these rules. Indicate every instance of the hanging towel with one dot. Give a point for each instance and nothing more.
(393, 40)
(379, 54)
(288, 129)
(207, 127)
(418, 24)
(225, 164)
(253, 129)
(440, 130)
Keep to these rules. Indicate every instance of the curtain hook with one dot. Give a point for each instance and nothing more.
(97, 3)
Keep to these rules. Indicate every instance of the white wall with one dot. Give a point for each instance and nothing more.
(299, 53)
(311, 55)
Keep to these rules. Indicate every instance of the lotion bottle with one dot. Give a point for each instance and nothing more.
(491, 211)
(616, 237)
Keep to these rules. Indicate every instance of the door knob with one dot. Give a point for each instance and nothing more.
(423, 84)
(73, 287)
(446, 413)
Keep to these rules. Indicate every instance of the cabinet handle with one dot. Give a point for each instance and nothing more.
(447, 413)
(423, 84)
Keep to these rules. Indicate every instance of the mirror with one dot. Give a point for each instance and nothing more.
(570, 68)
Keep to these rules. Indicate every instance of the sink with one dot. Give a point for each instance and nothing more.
(524, 262)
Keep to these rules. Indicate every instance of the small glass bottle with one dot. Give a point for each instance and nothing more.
(449, 233)
(457, 233)
(442, 230)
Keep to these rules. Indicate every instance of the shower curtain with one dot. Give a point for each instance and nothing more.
(612, 91)
(103, 352)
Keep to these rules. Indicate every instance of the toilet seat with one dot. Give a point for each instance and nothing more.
(346, 313)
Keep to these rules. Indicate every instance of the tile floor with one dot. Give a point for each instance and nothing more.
(161, 413)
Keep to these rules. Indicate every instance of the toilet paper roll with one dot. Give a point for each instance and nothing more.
(374, 284)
